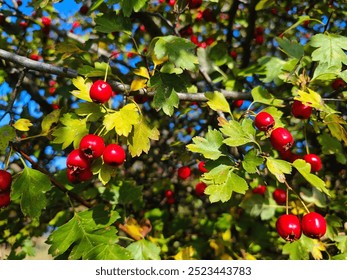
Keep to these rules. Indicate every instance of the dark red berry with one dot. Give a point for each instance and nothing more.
(338, 84)
(288, 227)
(260, 189)
(183, 172)
(84, 9)
(314, 161)
(201, 166)
(281, 139)
(264, 121)
(300, 110)
(200, 188)
(76, 160)
(92, 146)
(314, 225)
(5, 180)
(77, 176)
(114, 155)
(169, 193)
(100, 91)
(280, 196)
(238, 103)
(24, 24)
(5, 199)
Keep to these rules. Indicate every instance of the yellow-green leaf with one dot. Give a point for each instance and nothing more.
(278, 168)
(22, 125)
(138, 84)
(49, 120)
(142, 72)
(83, 87)
(217, 102)
(310, 98)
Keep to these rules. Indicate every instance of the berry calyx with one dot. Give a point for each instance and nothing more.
(313, 225)
(183, 172)
(281, 139)
(5, 180)
(5, 199)
(264, 121)
(200, 188)
(201, 167)
(288, 227)
(114, 155)
(78, 176)
(280, 196)
(77, 161)
(100, 91)
(300, 110)
(92, 146)
(260, 189)
(314, 161)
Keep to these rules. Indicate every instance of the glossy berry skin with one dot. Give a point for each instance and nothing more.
(5, 180)
(92, 146)
(280, 196)
(77, 176)
(260, 189)
(194, 4)
(264, 121)
(288, 227)
(100, 91)
(200, 188)
(313, 225)
(46, 21)
(238, 103)
(114, 155)
(281, 139)
(183, 172)
(5, 199)
(77, 161)
(300, 110)
(314, 161)
(201, 167)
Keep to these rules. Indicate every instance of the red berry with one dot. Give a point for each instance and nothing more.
(281, 139)
(19, 2)
(34, 56)
(314, 225)
(171, 200)
(140, 98)
(169, 193)
(233, 54)
(100, 91)
(23, 24)
(194, 4)
(186, 31)
(172, 3)
(92, 146)
(5, 199)
(77, 176)
(183, 172)
(260, 189)
(200, 188)
(338, 84)
(238, 103)
(84, 9)
(114, 155)
(194, 39)
(288, 227)
(259, 39)
(300, 110)
(280, 196)
(289, 156)
(314, 161)
(55, 106)
(201, 166)
(259, 30)
(264, 121)
(77, 161)
(5, 180)
(46, 21)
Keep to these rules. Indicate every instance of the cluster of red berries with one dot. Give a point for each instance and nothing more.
(90, 148)
(259, 35)
(5, 188)
(282, 140)
(290, 228)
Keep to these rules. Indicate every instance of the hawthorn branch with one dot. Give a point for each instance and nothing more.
(252, 15)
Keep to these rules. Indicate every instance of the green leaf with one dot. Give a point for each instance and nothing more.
(310, 98)
(291, 48)
(72, 131)
(331, 146)
(106, 251)
(180, 51)
(144, 250)
(304, 169)
(217, 102)
(129, 192)
(208, 146)
(112, 22)
(221, 182)
(251, 161)
(273, 69)
(83, 87)
(278, 168)
(50, 121)
(261, 95)
(166, 87)
(238, 134)
(139, 138)
(7, 133)
(30, 187)
(264, 4)
(86, 232)
(258, 205)
(296, 251)
(129, 5)
(123, 120)
(92, 111)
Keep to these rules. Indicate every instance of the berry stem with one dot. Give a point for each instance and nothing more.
(306, 142)
(302, 202)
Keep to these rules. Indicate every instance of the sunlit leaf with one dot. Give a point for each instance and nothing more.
(83, 87)
(7, 133)
(217, 101)
(278, 168)
(22, 125)
(261, 95)
(251, 161)
(50, 120)
(238, 133)
(138, 83)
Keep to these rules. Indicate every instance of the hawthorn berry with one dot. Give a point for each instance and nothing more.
(75, 176)
(338, 84)
(313, 225)
(288, 227)
(84, 9)
(46, 21)
(194, 4)
(259, 39)
(114, 155)
(260, 189)
(314, 161)
(200, 188)
(77, 161)
(289, 156)
(24, 24)
(5, 199)
(92, 146)
(264, 121)
(238, 103)
(201, 167)
(280, 196)
(5, 180)
(300, 110)
(281, 139)
(100, 91)
(34, 56)
(170, 198)
(183, 172)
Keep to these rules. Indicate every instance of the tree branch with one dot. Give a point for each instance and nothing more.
(252, 15)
